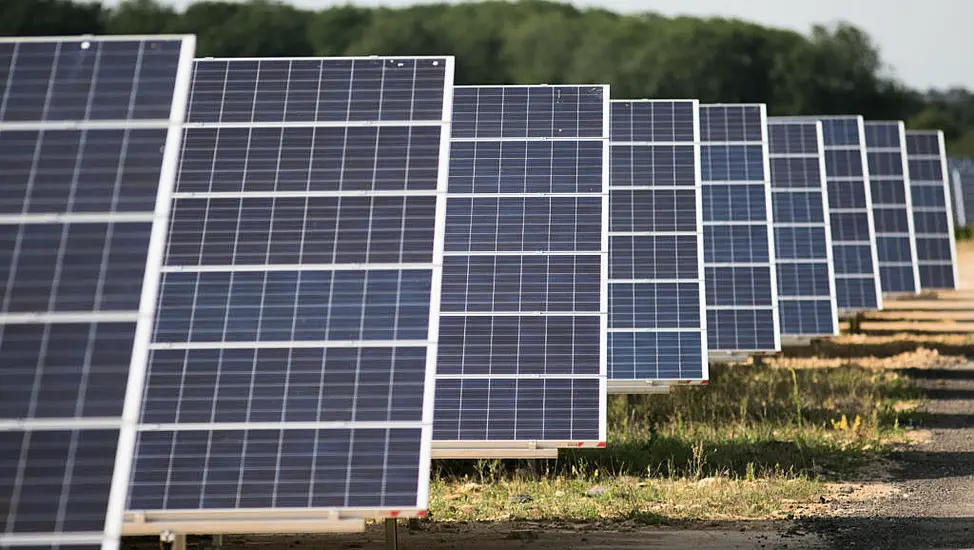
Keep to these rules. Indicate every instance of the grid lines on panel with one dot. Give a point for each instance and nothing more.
(739, 263)
(803, 255)
(292, 359)
(657, 321)
(933, 218)
(522, 327)
(87, 128)
(892, 206)
(854, 249)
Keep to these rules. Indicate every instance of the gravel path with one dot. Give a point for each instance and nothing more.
(931, 504)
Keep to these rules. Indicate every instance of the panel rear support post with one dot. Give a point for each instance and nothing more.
(179, 542)
(392, 534)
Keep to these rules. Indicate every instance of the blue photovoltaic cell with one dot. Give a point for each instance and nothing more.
(741, 299)
(854, 247)
(932, 217)
(806, 287)
(98, 79)
(522, 325)
(83, 141)
(298, 288)
(961, 175)
(891, 206)
(656, 322)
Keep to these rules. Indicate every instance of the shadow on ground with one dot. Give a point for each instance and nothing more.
(883, 348)
(895, 532)
(884, 533)
(552, 535)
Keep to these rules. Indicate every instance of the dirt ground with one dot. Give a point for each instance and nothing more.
(921, 497)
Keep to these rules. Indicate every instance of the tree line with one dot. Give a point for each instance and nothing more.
(830, 70)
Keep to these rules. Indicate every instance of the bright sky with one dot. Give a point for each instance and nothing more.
(927, 43)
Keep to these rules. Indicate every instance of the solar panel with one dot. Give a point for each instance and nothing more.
(803, 245)
(739, 264)
(292, 363)
(961, 172)
(657, 320)
(932, 216)
(891, 206)
(522, 354)
(89, 136)
(854, 250)
(962, 189)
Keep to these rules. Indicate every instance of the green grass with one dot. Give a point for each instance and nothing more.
(755, 439)
(965, 233)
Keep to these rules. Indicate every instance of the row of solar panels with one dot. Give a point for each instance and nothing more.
(260, 294)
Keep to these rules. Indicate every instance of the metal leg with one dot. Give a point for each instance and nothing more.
(217, 541)
(179, 542)
(392, 535)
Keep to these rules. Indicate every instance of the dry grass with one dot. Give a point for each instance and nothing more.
(621, 499)
(759, 442)
(922, 358)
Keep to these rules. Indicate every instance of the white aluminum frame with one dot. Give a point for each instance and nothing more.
(948, 204)
(772, 256)
(731, 355)
(958, 196)
(661, 385)
(911, 234)
(317, 520)
(847, 313)
(867, 180)
(829, 251)
(803, 338)
(108, 539)
(941, 142)
(443, 449)
(132, 409)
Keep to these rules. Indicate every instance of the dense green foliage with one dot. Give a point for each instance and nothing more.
(829, 71)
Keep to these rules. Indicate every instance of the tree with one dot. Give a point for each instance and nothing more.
(50, 17)
(399, 32)
(141, 17)
(834, 69)
(259, 28)
(331, 31)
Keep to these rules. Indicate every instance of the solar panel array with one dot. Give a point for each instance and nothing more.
(854, 250)
(932, 216)
(742, 309)
(891, 206)
(657, 321)
(293, 358)
(336, 269)
(522, 357)
(803, 245)
(89, 132)
(961, 174)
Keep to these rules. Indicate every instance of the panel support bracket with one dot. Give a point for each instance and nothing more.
(392, 534)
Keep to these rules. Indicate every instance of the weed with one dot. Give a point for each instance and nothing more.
(755, 439)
